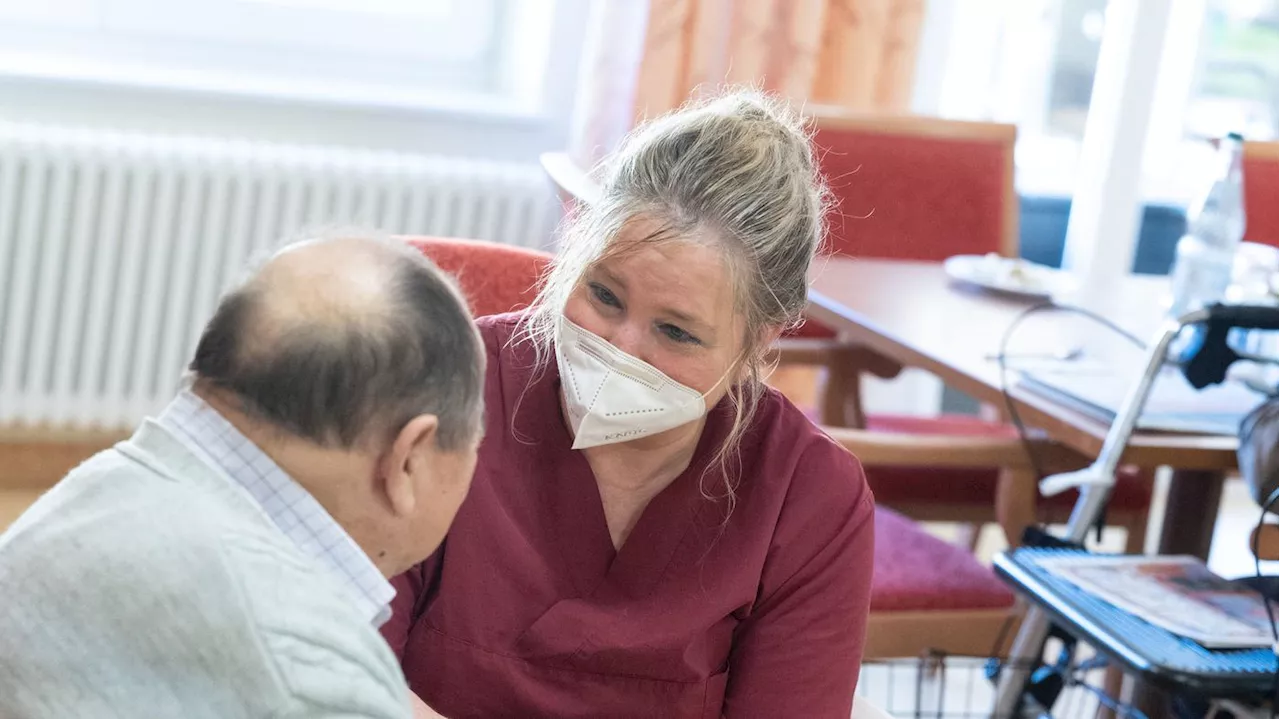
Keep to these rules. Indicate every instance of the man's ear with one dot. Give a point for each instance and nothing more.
(406, 459)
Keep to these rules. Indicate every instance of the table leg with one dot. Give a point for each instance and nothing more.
(1190, 513)
(1149, 700)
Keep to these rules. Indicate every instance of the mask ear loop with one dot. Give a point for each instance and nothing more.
(713, 387)
(740, 362)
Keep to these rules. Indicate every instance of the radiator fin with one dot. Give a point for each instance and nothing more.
(114, 247)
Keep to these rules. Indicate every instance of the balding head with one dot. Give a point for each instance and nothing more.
(342, 340)
(340, 281)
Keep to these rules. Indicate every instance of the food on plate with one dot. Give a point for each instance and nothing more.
(1012, 273)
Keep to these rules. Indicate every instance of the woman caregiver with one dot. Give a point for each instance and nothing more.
(651, 530)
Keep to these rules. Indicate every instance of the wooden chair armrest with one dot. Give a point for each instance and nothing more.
(897, 449)
(804, 351)
(834, 354)
(840, 402)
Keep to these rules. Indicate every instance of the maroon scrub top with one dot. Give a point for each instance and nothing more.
(528, 611)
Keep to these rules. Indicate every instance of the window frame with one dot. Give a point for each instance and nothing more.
(64, 40)
(969, 80)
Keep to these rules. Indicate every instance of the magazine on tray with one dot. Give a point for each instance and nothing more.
(1178, 594)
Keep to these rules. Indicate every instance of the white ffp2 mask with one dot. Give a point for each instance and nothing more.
(613, 397)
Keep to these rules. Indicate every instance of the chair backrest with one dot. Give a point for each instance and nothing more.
(906, 187)
(1262, 192)
(918, 188)
(494, 278)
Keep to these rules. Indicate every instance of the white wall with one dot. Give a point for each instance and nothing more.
(512, 137)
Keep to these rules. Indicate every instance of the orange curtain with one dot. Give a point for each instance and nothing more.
(855, 54)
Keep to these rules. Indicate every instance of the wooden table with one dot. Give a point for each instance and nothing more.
(911, 313)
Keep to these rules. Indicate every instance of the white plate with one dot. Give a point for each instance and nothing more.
(1009, 276)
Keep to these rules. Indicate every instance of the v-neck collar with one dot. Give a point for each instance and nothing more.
(576, 510)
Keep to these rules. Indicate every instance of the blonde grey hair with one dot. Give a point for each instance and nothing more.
(737, 170)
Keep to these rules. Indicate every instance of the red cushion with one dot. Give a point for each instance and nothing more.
(915, 570)
(911, 197)
(956, 425)
(494, 278)
(939, 485)
(1261, 200)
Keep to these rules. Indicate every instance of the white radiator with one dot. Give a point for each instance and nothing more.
(114, 247)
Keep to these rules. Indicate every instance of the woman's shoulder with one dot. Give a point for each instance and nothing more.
(800, 459)
(501, 336)
(801, 496)
(777, 421)
(498, 329)
(514, 371)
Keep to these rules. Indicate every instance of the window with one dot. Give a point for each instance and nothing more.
(381, 52)
(1078, 37)
(1237, 80)
(1032, 62)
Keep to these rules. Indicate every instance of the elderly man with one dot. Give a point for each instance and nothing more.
(230, 559)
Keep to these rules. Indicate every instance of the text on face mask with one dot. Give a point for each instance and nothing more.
(620, 435)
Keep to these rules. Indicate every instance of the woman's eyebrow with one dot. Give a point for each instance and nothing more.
(612, 277)
(691, 322)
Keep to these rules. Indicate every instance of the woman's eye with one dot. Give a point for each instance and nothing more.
(604, 296)
(678, 335)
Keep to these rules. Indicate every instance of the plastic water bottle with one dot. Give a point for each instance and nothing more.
(1215, 226)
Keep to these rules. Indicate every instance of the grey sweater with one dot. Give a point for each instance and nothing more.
(149, 584)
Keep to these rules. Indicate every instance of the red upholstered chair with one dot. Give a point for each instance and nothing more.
(908, 188)
(920, 188)
(1262, 192)
(494, 278)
